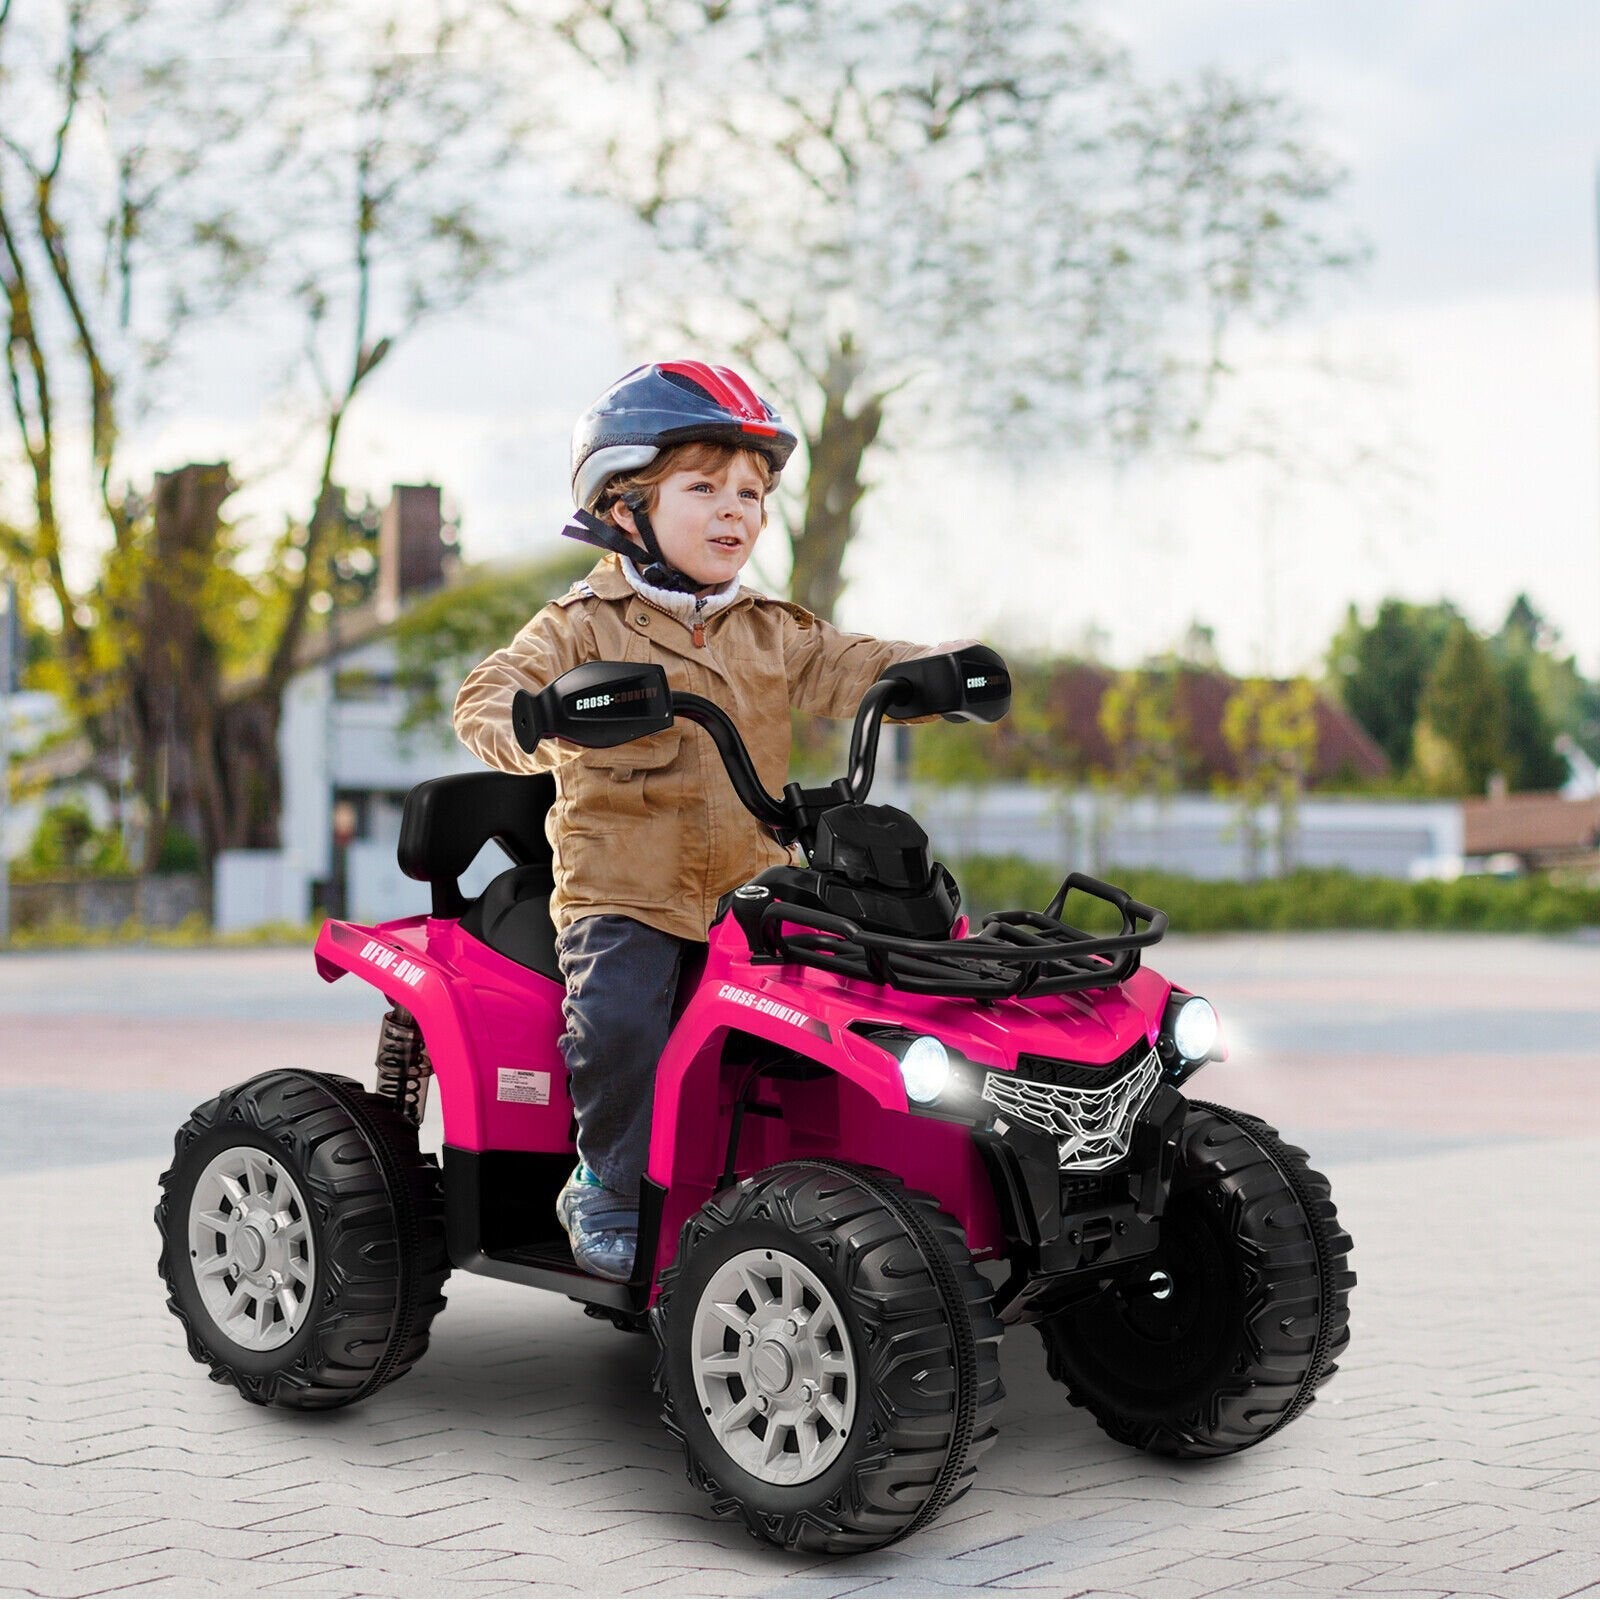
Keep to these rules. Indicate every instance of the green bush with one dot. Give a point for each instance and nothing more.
(179, 853)
(1313, 898)
(67, 844)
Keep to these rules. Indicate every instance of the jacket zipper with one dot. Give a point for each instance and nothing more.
(697, 632)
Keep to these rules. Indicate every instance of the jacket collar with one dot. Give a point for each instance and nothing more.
(607, 581)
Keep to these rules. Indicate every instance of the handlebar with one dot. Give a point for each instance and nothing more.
(735, 757)
(795, 815)
(599, 704)
(864, 736)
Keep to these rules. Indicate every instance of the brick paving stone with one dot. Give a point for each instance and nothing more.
(525, 1454)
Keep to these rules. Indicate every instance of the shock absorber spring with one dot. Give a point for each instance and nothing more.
(403, 1065)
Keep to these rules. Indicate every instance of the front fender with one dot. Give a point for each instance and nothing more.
(766, 1010)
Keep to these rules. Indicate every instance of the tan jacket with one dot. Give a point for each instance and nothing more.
(652, 829)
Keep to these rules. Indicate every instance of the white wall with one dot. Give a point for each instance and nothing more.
(1189, 833)
(253, 887)
(328, 746)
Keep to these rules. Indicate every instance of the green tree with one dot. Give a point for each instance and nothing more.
(1543, 693)
(445, 635)
(1531, 758)
(1144, 720)
(1464, 709)
(375, 174)
(116, 237)
(1271, 728)
(66, 842)
(1380, 669)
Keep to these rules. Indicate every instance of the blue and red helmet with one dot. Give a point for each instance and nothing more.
(669, 403)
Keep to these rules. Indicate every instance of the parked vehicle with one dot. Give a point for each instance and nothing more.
(881, 1137)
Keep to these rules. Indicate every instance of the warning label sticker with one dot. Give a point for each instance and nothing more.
(524, 1088)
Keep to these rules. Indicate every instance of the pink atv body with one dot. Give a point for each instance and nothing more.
(492, 1025)
(880, 1136)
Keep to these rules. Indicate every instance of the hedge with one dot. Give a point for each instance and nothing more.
(1312, 898)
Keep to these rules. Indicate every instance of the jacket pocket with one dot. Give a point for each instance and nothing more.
(615, 780)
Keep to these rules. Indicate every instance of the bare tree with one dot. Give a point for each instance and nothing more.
(387, 159)
(106, 138)
(336, 177)
(947, 222)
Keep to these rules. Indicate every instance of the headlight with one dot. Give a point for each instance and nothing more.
(939, 1081)
(1194, 1029)
(925, 1067)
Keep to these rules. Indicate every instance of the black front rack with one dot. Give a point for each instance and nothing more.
(1013, 953)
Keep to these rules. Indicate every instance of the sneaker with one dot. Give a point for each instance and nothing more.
(602, 1226)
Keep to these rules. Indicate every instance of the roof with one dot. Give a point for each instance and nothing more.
(1529, 824)
(1344, 748)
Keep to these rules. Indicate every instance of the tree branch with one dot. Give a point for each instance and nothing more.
(38, 436)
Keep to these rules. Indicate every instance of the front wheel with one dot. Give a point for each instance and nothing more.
(829, 1358)
(302, 1240)
(1223, 1335)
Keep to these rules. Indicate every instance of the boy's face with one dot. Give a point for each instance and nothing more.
(707, 520)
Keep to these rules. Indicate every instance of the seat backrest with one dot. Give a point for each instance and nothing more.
(447, 821)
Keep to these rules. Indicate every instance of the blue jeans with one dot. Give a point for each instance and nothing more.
(621, 977)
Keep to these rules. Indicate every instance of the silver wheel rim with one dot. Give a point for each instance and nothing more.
(251, 1249)
(774, 1368)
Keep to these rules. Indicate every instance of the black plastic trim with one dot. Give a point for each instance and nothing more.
(500, 1222)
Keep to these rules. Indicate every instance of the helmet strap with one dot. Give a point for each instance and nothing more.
(655, 569)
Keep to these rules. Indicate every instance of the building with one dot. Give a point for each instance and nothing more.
(346, 760)
(1532, 832)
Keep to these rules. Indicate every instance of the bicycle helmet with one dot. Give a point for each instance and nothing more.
(648, 411)
(668, 403)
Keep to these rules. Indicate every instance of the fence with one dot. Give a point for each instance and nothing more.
(107, 903)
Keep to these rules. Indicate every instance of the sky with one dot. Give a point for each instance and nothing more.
(1456, 455)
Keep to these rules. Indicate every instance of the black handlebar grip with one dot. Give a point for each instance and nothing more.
(525, 720)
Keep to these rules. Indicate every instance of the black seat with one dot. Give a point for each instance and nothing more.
(447, 821)
(513, 916)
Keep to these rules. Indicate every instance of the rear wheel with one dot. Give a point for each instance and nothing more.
(1224, 1334)
(302, 1240)
(829, 1358)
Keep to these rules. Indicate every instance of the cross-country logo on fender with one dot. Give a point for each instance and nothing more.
(380, 955)
(773, 1008)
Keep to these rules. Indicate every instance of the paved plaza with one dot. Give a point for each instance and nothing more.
(1449, 1086)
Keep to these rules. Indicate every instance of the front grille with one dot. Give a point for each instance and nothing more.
(1091, 1127)
(1076, 1075)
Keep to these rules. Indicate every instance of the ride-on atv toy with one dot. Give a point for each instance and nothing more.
(862, 1100)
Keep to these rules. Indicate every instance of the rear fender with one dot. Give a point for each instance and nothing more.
(408, 976)
(491, 1027)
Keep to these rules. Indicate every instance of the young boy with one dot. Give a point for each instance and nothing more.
(671, 468)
